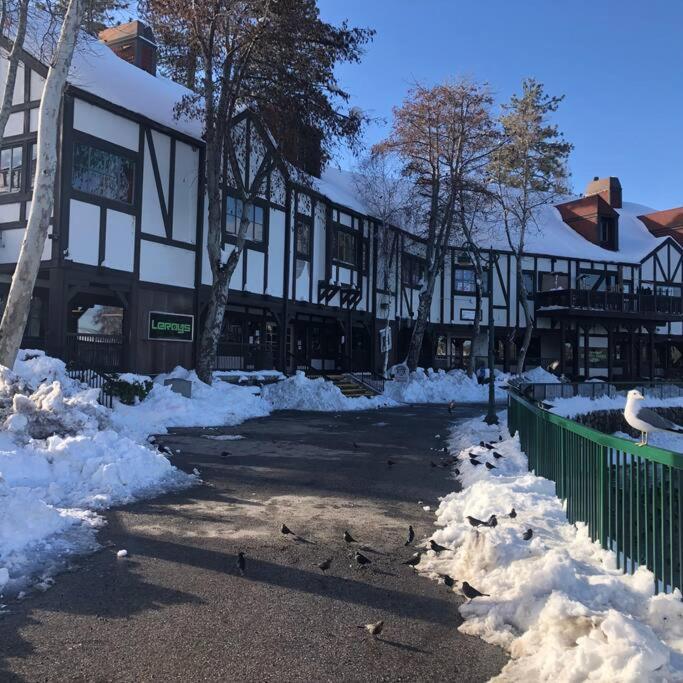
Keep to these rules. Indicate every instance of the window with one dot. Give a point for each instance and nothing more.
(345, 248)
(441, 346)
(11, 169)
(412, 270)
(103, 173)
(464, 281)
(607, 233)
(529, 283)
(303, 237)
(254, 231)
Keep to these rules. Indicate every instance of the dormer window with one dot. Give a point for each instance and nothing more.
(607, 232)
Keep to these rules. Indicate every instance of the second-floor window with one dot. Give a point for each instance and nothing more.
(255, 229)
(346, 248)
(11, 169)
(464, 281)
(412, 270)
(103, 173)
(303, 237)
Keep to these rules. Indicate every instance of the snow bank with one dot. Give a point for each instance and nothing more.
(440, 387)
(302, 393)
(557, 603)
(218, 404)
(61, 459)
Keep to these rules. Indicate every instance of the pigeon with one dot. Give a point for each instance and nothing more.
(411, 535)
(325, 565)
(528, 534)
(390, 462)
(361, 559)
(482, 444)
(474, 521)
(457, 471)
(500, 437)
(497, 455)
(470, 592)
(374, 629)
(413, 561)
(513, 513)
(436, 547)
(448, 580)
(646, 420)
(489, 446)
(493, 521)
(355, 445)
(240, 563)
(474, 461)
(489, 466)
(432, 464)
(349, 538)
(284, 529)
(225, 454)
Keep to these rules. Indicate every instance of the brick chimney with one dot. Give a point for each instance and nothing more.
(608, 188)
(133, 42)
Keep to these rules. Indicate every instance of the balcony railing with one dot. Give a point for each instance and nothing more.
(617, 302)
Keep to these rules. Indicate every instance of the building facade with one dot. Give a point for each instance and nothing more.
(125, 278)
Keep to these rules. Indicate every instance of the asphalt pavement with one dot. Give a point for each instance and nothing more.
(176, 610)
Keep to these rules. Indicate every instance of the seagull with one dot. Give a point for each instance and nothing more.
(646, 420)
(411, 535)
(373, 629)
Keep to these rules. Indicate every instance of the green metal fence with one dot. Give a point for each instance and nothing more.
(629, 496)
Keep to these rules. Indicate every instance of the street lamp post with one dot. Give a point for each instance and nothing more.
(491, 417)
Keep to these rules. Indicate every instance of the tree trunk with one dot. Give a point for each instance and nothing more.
(528, 321)
(16, 311)
(423, 309)
(13, 65)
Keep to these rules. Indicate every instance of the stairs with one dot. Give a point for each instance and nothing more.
(350, 387)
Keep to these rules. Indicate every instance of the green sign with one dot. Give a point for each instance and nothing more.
(171, 326)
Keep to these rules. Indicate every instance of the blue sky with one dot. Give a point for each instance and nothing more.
(619, 64)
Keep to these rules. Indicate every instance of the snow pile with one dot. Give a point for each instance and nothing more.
(61, 458)
(440, 387)
(557, 603)
(302, 393)
(540, 376)
(218, 404)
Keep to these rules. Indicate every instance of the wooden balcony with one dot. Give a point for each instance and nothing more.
(584, 303)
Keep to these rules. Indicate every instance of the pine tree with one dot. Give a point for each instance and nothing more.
(528, 171)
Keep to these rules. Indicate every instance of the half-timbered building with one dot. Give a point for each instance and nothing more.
(125, 278)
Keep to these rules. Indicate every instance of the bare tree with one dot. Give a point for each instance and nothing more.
(386, 194)
(443, 137)
(528, 171)
(16, 310)
(21, 11)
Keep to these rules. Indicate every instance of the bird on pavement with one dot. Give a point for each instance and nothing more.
(361, 559)
(489, 466)
(646, 420)
(528, 534)
(411, 535)
(349, 538)
(284, 529)
(390, 462)
(355, 445)
(225, 454)
(413, 561)
(432, 464)
(448, 580)
(470, 592)
(240, 563)
(436, 547)
(325, 565)
(513, 513)
(374, 629)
